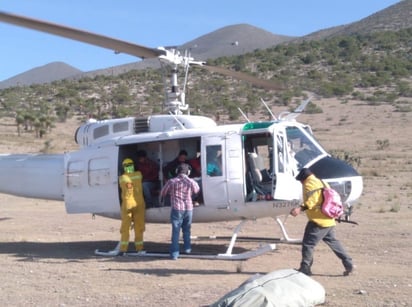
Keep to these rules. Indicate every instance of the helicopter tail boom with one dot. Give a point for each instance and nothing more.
(33, 176)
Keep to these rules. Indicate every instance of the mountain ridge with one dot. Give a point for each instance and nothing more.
(230, 40)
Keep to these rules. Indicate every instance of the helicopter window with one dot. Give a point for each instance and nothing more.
(100, 131)
(214, 160)
(302, 147)
(120, 127)
(74, 171)
(99, 172)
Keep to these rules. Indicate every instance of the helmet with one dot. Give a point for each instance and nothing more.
(127, 161)
(128, 165)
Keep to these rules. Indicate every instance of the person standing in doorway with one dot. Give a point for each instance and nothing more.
(150, 172)
(132, 206)
(180, 189)
(169, 171)
(319, 227)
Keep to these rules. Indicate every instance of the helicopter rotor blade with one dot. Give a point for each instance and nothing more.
(266, 84)
(118, 46)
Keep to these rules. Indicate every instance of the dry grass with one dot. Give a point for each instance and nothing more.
(46, 256)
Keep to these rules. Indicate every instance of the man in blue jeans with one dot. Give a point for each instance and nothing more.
(180, 189)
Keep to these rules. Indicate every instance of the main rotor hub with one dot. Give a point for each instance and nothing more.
(175, 97)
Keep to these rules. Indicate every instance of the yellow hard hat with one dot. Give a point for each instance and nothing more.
(127, 161)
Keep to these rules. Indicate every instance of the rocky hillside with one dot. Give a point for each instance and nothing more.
(393, 18)
(227, 41)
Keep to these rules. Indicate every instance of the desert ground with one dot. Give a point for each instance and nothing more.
(47, 256)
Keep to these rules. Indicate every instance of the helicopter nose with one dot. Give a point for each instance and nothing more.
(341, 176)
(330, 167)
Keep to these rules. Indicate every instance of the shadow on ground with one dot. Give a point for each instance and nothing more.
(80, 250)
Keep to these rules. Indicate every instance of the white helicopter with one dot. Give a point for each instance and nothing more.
(259, 160)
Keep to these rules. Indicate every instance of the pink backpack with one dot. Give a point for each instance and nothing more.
(332, 204)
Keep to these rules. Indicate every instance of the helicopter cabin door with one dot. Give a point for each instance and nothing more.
(91, 181)
(222, 178)
(287, 187)
(214, 188)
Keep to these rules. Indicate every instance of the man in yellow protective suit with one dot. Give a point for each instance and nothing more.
(132, 206)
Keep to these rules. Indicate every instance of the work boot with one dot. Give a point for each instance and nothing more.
(349, 270)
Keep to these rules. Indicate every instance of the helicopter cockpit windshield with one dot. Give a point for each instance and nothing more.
(303, 147)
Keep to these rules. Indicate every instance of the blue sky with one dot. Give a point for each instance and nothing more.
(157, 23)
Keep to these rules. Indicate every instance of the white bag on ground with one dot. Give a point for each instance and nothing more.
(279, 288)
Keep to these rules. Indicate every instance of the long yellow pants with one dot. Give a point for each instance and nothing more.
(135, 215)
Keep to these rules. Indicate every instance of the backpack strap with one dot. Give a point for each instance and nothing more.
(310, 193)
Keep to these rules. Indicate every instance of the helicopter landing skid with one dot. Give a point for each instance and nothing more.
(286, 237)
(228, 255)
(112, 253)
(241, 256)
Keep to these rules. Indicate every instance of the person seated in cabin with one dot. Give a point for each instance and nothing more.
(196, 174)
(150, 172)
(214, 161)
(169, 171)
(196, 167)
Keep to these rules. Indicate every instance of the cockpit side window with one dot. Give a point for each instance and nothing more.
(302, 147)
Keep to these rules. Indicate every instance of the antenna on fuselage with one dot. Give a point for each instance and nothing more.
(267, 108)
(243, 114)
(178, 121)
